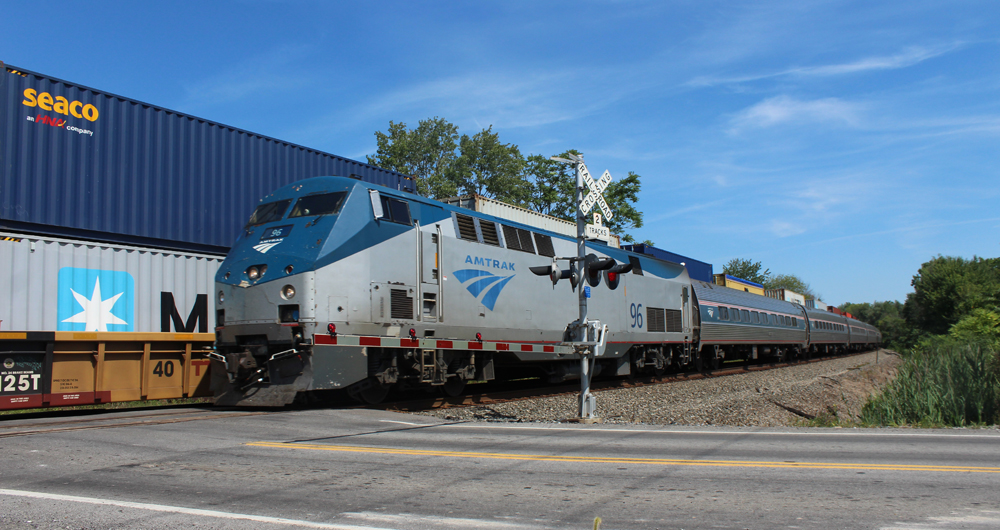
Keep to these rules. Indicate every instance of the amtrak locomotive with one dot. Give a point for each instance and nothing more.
(340, 284)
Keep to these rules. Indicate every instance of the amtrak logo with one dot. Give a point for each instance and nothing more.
(484, 285)
(95, 300)
(711, 312)
(272, 237)
(264, 247)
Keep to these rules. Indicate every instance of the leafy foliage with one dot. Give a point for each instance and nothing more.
(790, 282)
(946, 289)
(943, 382)
(887, 317)
(445, 164)
(746, 269)
(425, 153)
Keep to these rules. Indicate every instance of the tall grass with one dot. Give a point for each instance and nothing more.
(942, 382)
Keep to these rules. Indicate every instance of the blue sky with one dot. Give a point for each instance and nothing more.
(844, 142)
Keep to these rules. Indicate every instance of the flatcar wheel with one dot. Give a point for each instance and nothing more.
(374, 394)
(453, 387)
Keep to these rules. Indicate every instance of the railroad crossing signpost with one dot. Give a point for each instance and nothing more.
(589, 334)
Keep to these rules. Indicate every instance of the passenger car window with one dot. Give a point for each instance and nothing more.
(322, 204)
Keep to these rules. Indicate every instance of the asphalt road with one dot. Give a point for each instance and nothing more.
(352, 469)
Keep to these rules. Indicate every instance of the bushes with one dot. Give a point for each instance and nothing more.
(945, 381)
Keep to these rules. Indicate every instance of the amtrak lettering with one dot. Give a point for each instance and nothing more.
(487, 262)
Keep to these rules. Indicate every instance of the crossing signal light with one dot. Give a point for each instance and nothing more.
(613, 276)
(555, 273)
(593, 266)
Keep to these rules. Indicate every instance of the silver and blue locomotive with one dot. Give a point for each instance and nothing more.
(339, 284)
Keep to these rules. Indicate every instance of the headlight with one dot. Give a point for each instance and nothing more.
(222, 297)
(253, 273)
(288, 269)
(288, 292)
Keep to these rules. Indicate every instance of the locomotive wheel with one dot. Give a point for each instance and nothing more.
(374, 394)
(453, 387)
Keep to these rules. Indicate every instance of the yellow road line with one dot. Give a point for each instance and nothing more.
(612, 460)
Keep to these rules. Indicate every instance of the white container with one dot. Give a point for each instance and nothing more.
(55, 284)
(786, 295)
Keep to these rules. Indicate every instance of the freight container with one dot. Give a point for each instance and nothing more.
(739, 284)
(478, 203)
(786, 295)
(57, 284)
(698, 270)
(85, 164)
(812, 303)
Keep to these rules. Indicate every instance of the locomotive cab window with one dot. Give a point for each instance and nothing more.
(320, 204)
(395, 211)
(268, 212)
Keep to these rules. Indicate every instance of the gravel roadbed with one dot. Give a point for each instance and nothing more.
(835, 388)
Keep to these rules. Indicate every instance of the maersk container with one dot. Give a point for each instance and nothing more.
(698, 270)
(56, 284)
(86, 164)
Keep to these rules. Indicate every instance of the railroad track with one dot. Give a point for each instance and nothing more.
(500, 395)
(116, 420)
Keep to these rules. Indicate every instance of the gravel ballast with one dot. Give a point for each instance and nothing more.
(834, 388)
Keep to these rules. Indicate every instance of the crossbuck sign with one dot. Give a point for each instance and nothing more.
(596, 191)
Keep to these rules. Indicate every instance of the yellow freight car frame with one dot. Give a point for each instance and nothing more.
(39, 369)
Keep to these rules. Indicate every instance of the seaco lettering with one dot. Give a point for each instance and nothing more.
(60, 104)
(487, 262)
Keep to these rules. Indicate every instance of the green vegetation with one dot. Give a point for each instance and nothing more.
(446, 164)
(945, 381)
(948, 332)
(747, 269)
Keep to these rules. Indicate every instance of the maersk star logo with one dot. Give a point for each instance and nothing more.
(483, 283)
(95, 300)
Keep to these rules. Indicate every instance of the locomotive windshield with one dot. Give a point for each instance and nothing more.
(324, 204)
(268, 212)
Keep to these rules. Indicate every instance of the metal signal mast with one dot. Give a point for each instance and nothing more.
(588, 336)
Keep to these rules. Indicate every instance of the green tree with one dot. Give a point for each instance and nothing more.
(946, 289)
(887, 317)
(790, 282)
(979, 325)
(426, 153)
(553, 192)
(747, 269)
(488, 167)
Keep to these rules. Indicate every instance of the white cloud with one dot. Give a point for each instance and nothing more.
(783, 109)
(909, 57)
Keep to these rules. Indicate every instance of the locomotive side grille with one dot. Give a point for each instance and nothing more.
(544, 245)
(401, 306)
(489, 230)
(674, 324)
(510, 236)
(518, 239)
(466, 227)
(655, 320)
(526, 243)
